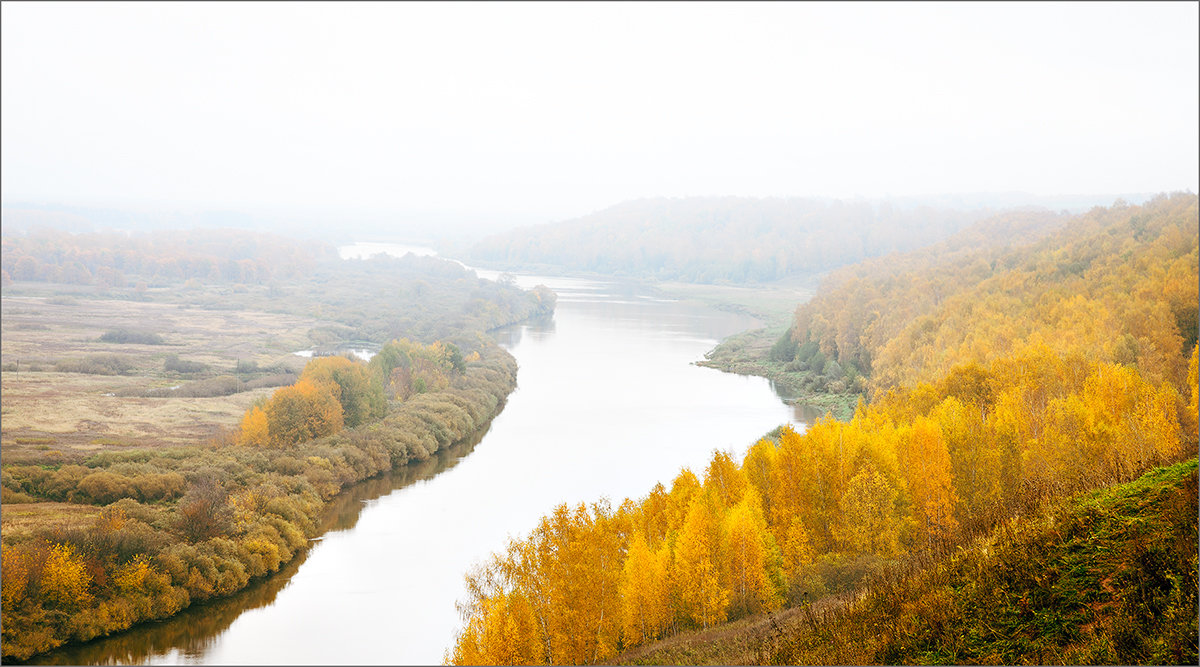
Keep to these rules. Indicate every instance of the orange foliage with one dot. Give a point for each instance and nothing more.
(1001, 375)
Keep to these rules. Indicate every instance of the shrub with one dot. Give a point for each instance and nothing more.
(96, 364)
(203, 512)
(131, 336)
(784, 349)
(174, 364)
(222, 385)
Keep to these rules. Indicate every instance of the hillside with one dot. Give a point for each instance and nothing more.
(1104, 577)
(1117, 284)
(722, 239)
(1084, 376)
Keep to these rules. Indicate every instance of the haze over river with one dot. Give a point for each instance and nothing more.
(608, 403)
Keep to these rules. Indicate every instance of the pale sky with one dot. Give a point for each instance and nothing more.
(533, 112)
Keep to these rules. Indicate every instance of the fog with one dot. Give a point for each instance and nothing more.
(475, 117)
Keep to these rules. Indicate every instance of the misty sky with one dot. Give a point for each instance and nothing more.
(525, 113)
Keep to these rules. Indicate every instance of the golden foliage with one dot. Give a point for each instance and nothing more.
(64, 580)
(1000, 375)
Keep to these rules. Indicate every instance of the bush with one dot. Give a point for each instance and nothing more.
(204, 513)
(96, 364)
(131, 336)
(273, 380)
(817, 363)
(784, 349)
(806, 351)
(173, 364)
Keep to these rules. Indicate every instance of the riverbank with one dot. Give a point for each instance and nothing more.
(194, 627)
(749, 353)
(262, 508)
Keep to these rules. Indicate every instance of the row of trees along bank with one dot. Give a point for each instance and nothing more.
(174, 526)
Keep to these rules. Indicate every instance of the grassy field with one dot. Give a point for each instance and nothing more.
(127, 497)
(45, 408)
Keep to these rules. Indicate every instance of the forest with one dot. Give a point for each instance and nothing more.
(1002, 378)
(722, 239)
(115, 531)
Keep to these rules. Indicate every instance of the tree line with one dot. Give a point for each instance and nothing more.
(180, 525)
(111, 259)
(723, 239)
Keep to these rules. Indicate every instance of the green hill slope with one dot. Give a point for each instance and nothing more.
(1104, 577)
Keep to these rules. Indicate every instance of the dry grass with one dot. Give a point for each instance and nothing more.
(738, 643)
(78, 411)
(21, 521)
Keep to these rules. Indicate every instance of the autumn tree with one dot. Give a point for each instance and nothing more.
(869, 521)
(645, 592)
(749, 552)
(930, 480)
(725, 479)
(359, 393)
(703, 595)
(65, 580)
(301, 412)
(254, 430)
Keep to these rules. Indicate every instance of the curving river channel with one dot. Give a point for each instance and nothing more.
(608, 403)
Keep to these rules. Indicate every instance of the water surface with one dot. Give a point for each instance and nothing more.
(608, 403)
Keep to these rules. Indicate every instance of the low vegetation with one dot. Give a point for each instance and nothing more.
(125, 516)
(181, 525)
(806, 377)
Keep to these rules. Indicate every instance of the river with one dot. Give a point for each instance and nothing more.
(608, 403)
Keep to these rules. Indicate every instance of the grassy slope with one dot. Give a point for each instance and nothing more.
(1104, 577)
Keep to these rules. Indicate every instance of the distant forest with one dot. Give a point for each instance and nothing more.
(723, 239)
(106, 259)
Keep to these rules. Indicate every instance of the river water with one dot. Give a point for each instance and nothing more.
(608, 403)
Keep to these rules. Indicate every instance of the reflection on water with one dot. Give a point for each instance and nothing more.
(187, 636)
(609, 402)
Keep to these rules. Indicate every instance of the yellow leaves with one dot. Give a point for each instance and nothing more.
(926, 463)
(64, 581)
(645, 592)
(747, 557)
(725, 479)
(870, 524)
(903, 473)
(797, 549)
(1189, 422)
(332, 393)
(683, 489)
(509, 632)
(302, 412)
(703, 596)
(132, 576)
(111, 519)
(14, 577)
(254, 431)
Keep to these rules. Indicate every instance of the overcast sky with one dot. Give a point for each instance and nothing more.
(532, 112)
